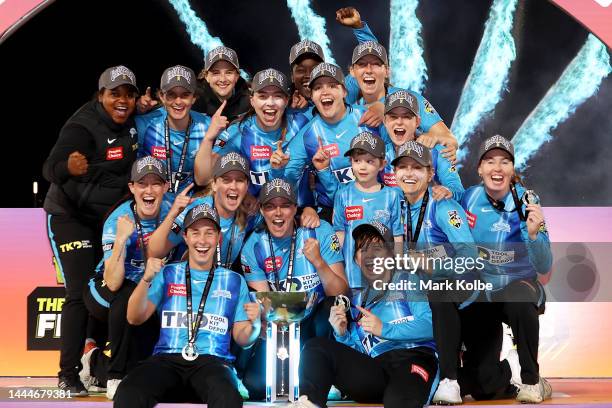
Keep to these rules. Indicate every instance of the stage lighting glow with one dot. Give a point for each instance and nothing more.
(579, 81)
(488, 77)
(408, 67)
(310, 25)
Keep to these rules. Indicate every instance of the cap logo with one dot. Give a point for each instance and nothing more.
(233, 158)
(205, 210)
(150, 162)
(178, 72)
(324, 68)
(278, 184)
(497, 140)
(401, 96)
(271, 75)
(369, 46)
(365, 138)
(303, 46)
(380, 227)
(122, 71)
(411, 146)
(219, 52)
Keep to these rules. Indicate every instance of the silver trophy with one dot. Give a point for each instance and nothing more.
(283, 311)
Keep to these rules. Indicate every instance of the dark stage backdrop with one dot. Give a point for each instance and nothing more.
(50, 67)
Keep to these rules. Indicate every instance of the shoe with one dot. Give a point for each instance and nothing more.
(515, 367)
(448, 393)
(72, 386)
(111, 388)
(90, 382)
(302, 402)
(536, 393)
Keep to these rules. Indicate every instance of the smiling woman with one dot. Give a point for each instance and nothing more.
(88, 168)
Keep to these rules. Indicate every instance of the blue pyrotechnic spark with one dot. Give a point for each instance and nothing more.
(310, 25)
(408, 68)
(489, 74)
(579, 81)
(196, 28)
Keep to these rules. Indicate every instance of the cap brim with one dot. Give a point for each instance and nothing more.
(185, 226)
(418, 160)
(120, 82)
(367, 227)
(349, 152)
(304, 55)
(499, 148)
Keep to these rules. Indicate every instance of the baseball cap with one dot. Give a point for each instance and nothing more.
(116, 76)
(201, 212)
(270, 77)
(496, 142)
(277, 188)
(305, 47)
(230, 162)
(369, 48)
(377, 227)
(368, 142)
(326, 69)
(178, 75)
(148, 165)
(416, 151)
(402, 99)
(221, 53)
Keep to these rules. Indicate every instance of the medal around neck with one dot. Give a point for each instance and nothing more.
(190, 352)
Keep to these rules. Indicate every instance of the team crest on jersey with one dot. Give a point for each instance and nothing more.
(382, 215)
(543, 228)
(500, 226)
(428, 108)
(454, 219)
(335, 243)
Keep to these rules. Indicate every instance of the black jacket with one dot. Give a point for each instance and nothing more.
(208, 102)
(110, 150)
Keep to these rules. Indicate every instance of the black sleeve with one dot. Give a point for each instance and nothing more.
(72, 138)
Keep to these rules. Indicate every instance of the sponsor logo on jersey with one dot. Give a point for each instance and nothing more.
(220, 142)
(495, 257)
(382, 215)
(114, 153)
(437, 251)
(471, 218)
(389, 179)
(402, 319)
(303, 283)
(176, 289)
(353, 212)
(246, 268)
(259, 177)
(332, 150)
(370, 341)
(269, 267)
(454, 219)
(222, 293)
(344, 175)
(175, 228)
(159, 152)
(261, 152)
(420, 371)
(500, 226)
(145, 238)
(108, 247)
(210, 322)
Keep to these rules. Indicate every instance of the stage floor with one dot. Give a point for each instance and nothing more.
(595, 392)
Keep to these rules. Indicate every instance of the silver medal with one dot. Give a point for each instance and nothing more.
(343, 302)
(190, 352)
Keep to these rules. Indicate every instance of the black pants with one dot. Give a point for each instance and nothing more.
(446, 321)
(253, 360)
(168, 378)
(519, 304)
(127, 344)
(400, 378)
(77, 250)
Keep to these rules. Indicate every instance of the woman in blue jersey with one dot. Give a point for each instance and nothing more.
(383, 348)
(124, 240)
(173, 133)
(283, 255)
(437, 230)
(331, 130)
(401, 121)
(508, 226)
(188, 295)
(227, 192)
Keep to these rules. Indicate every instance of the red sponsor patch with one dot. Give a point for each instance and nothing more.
(389, 179)
(261, 152)
(114, 153)
(268, 264)
(354, 212)
(177, 289)
(159, 152)
(471, 219)
(417, 369)
(332, 150)
(145, 238)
